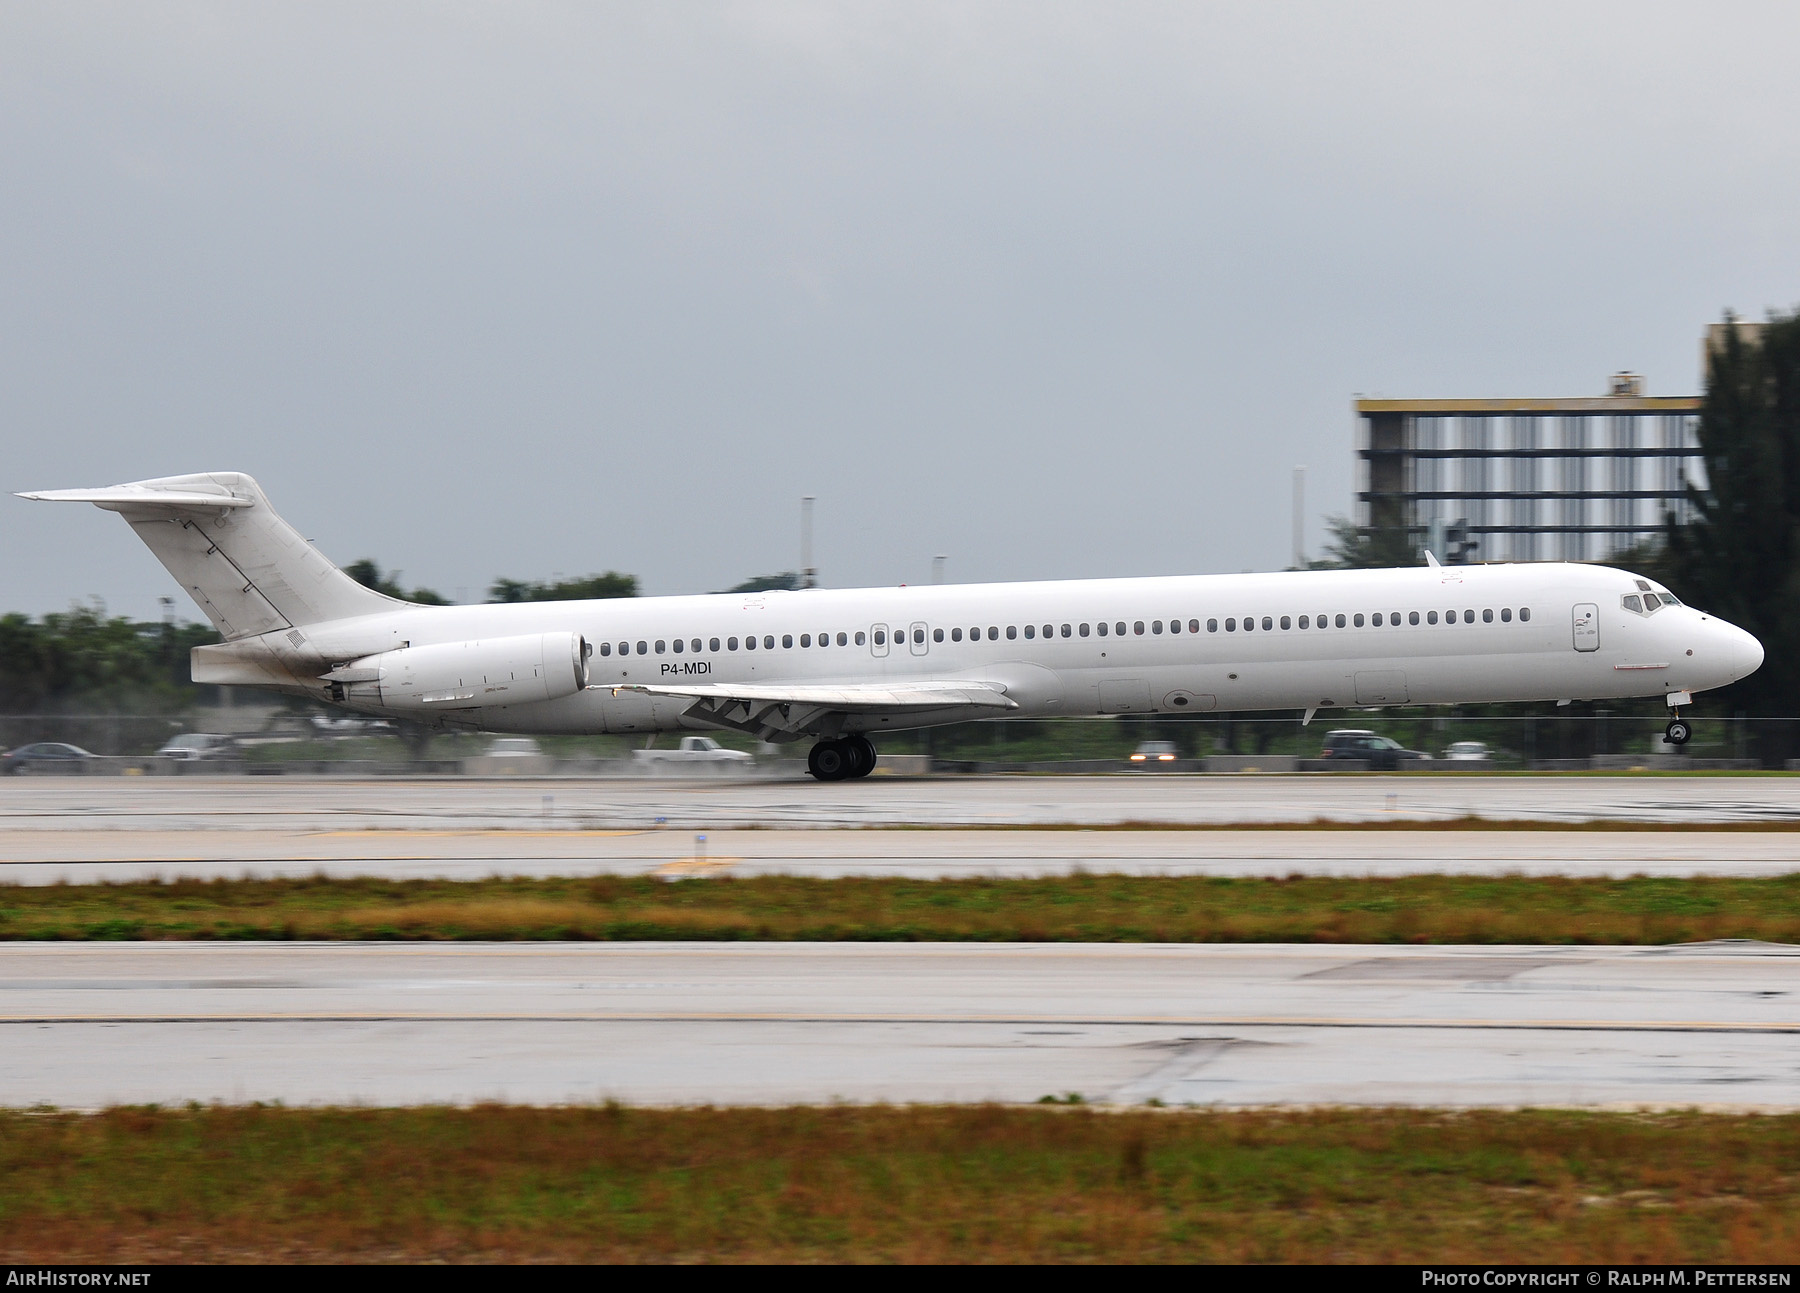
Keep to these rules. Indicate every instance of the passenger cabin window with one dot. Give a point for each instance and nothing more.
(1156, 627)
(861, 638)
(1359, 619)
(1193, 626)
(606, 648)
(1468, 617)
(660, 647)
(750, 644)
(956, 635)
(1012, 632)
(1506, 615)
(1068, 630)
(919, 637)
(731, 644)
(1268, 623)
(1412, 617)
(1487, 616)
(1231, 626)
(1340, 620)
(1286, 623)
(1119, 628)
(880, 637)
(993, 634)
(1524, 612)
(1212, 626)
(937, 635)
(768, 641)
(1303, 620)
(787, 640)
(1377, 619)
(844, 639)
(1137, 627)
(1084, 630)
(806, 639)
(678, 646)
(1431, 617)
(712, 644)
(1031, 631)
(1101, 628)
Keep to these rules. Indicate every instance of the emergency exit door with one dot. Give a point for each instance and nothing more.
(1587, 627)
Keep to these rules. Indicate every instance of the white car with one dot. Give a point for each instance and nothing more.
(514, 747)
(694, 749)
(1469, 752)
(199, 745)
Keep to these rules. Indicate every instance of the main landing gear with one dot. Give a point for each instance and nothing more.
(840, 760)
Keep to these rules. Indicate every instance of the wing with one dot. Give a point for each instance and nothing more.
(785, 712)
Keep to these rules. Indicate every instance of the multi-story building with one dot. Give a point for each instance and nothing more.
(1528, 479)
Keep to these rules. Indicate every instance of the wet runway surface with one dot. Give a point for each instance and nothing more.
(85, 1025)
(85, 854)
(315, 804)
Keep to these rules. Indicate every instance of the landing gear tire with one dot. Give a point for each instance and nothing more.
(829, 761)
(1677, 732)
(862, 755)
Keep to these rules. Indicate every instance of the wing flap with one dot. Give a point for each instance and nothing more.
(782, 712)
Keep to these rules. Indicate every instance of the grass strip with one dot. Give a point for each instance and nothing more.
(1069, 908)
(917, 1184)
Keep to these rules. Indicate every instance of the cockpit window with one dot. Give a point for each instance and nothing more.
(1643, 585)
(1632, 604)
(1651, 601)
(1669, 599)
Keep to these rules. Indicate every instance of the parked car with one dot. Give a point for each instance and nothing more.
(514, 747)
(43, 756)
(1469, 752)
(1380, 753)
(694, 749)
(1154, 752)
(192, 746)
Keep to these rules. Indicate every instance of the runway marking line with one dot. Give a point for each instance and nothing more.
(379, 833)
(751, 1017)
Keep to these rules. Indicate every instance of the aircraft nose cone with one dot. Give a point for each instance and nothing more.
(1745, 652)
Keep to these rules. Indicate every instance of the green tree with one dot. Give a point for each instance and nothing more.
(1739, 557)
(367, 573)
(787, 579)
(610, 584)
(1354, 548)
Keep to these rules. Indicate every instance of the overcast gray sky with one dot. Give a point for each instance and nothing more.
(1056, 289)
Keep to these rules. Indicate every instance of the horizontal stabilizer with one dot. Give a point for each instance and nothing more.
(115, 497)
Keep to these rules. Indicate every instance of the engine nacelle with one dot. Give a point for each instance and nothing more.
(466, 675)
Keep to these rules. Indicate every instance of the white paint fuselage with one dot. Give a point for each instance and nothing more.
(1677, 649)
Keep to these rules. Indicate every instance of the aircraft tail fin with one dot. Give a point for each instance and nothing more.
(246, 568)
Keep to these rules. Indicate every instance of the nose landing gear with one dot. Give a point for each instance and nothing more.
(1678, 731)
(852, 756)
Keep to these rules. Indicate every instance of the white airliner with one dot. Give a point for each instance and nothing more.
(839, 666)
